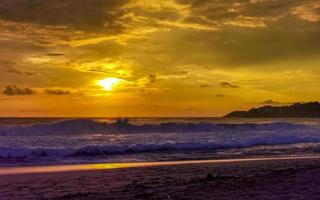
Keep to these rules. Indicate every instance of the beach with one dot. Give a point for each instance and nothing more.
(279, 178)
(159, 99)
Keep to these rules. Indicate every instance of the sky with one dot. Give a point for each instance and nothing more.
(112, 58)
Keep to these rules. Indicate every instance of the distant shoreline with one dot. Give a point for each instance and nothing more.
(296, 110)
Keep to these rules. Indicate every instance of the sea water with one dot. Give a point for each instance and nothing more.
(42, 141)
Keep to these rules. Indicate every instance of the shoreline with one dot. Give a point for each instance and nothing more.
(16, 170)
(264, 178)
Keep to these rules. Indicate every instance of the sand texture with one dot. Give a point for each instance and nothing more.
(279, 179)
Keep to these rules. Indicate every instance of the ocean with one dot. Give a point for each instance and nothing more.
(46, 141)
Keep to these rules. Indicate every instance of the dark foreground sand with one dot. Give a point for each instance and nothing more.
(279, 179)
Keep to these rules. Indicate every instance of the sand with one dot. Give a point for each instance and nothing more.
(253, 179)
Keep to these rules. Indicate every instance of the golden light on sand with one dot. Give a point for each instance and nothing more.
(108, 83)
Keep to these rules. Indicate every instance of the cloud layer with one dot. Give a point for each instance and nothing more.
(14, 90)
(57, 92)
(165, 52)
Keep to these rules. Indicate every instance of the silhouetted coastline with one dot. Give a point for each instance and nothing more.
(303, 110)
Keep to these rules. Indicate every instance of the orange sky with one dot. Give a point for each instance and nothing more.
(156, 58)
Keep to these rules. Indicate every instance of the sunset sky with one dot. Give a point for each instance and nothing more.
(156, 57)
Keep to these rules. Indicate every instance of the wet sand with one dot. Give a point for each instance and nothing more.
(289, 178)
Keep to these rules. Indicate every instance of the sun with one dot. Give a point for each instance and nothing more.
(108, 83)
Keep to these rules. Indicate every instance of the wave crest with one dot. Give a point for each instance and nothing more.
(89, 126)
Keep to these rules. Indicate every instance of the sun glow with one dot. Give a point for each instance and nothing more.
(108, 83)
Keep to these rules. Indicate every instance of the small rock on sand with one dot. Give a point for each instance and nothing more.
(209, 177)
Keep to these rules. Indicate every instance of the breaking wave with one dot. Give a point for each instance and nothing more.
(89, 126)
(91, 151)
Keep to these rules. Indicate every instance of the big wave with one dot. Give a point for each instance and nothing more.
(89, 126)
